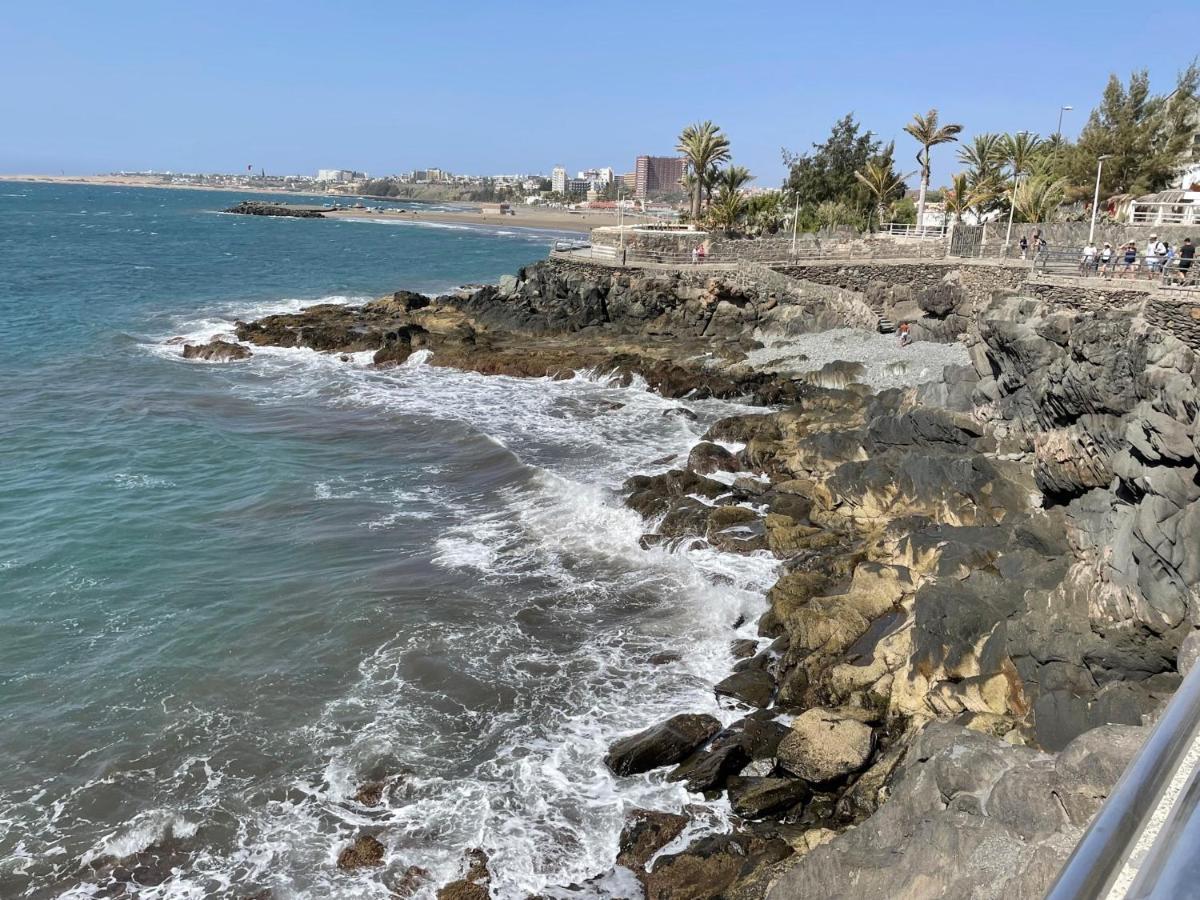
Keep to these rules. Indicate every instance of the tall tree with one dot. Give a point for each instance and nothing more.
(826, 173)
(1144, 135)
(705, 146)
(926, 131)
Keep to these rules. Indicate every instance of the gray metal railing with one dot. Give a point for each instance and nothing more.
(1102, 859)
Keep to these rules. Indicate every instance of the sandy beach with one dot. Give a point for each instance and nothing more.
(521, 217)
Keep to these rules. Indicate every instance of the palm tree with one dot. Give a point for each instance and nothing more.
(704, 145)
(1037, 198)
(1020, 151)
(958, 198)
(734, 178)
(984, 155)
(727, 209)
(926, 131)
(879, 179)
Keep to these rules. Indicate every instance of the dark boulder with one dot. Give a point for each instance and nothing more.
(754, 687)
(755, 798)
(707, 770)
(706, 457)
(216, 350)
(713, 866)
(645, 833)
(661, 745)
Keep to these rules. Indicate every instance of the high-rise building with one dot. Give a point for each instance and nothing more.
(558, 180)
(658, 175)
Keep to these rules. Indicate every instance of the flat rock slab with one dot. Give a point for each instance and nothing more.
(825, 744)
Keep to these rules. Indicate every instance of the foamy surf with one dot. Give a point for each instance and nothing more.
(487, 711)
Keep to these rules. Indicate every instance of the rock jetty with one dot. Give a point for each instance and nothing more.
(986, 577)
(260, 208)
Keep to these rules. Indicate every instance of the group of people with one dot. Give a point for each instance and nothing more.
(1158, 257)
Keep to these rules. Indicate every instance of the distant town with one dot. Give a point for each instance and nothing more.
(655, 182)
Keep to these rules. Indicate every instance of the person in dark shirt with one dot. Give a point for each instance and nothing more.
(1187, 253)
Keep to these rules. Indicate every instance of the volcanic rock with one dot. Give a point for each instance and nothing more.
(825, 744)
(754, 798)
(216, 350)
(364, 852)
(645, 833)
(661, 745)
(713, 866)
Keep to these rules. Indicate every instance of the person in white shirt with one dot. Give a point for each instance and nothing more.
(1106, 258)
(1156, 251)
(1088, 262)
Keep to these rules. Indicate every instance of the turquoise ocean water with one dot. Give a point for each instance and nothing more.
(230, 594)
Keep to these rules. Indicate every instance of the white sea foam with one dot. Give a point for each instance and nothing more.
(559, 671)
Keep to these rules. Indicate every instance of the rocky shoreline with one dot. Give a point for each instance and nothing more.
(986, 577)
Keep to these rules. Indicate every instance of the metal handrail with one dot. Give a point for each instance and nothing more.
(1102, 853)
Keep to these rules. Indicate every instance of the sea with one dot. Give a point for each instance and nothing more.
(231, 594)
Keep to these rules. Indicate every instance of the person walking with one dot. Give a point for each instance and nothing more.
(1106, 259)
(1024, 245)
(1187, 253)
(1087, 262)
(1129, 260)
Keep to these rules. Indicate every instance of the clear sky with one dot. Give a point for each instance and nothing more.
(496, 86)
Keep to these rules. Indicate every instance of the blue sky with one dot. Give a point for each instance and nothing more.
(519, 86)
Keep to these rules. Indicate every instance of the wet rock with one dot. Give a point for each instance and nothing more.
(681, 412)
(663, 657)
(216, 350)
(713, 866)
(474, 883)
(411, 881)
(754, 687)
(652, 495)
(761, 735)
(707, 770)
(825, 744)
(370, 793)
(366, 851)
(705, 458)
(661, 745)
(645, 833)
(754, 798)
(743, 648)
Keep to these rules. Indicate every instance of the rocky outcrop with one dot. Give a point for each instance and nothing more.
(366, 850)
(259, 208)
(968, 816)
(985, 582)
(216, 350)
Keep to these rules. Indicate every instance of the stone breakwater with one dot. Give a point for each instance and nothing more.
(987, 579)
(260, 208)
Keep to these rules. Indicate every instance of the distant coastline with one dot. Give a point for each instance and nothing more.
(522, 217)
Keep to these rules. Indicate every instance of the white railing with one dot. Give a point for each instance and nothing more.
(901, 229)
(1165, 214)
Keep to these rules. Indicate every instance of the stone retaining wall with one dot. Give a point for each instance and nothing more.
(807, 285)
(1179, 317)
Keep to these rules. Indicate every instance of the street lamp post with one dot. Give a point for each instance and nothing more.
(795, 223)
(1012, 206)
(1058, 131)
(1096, 196)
